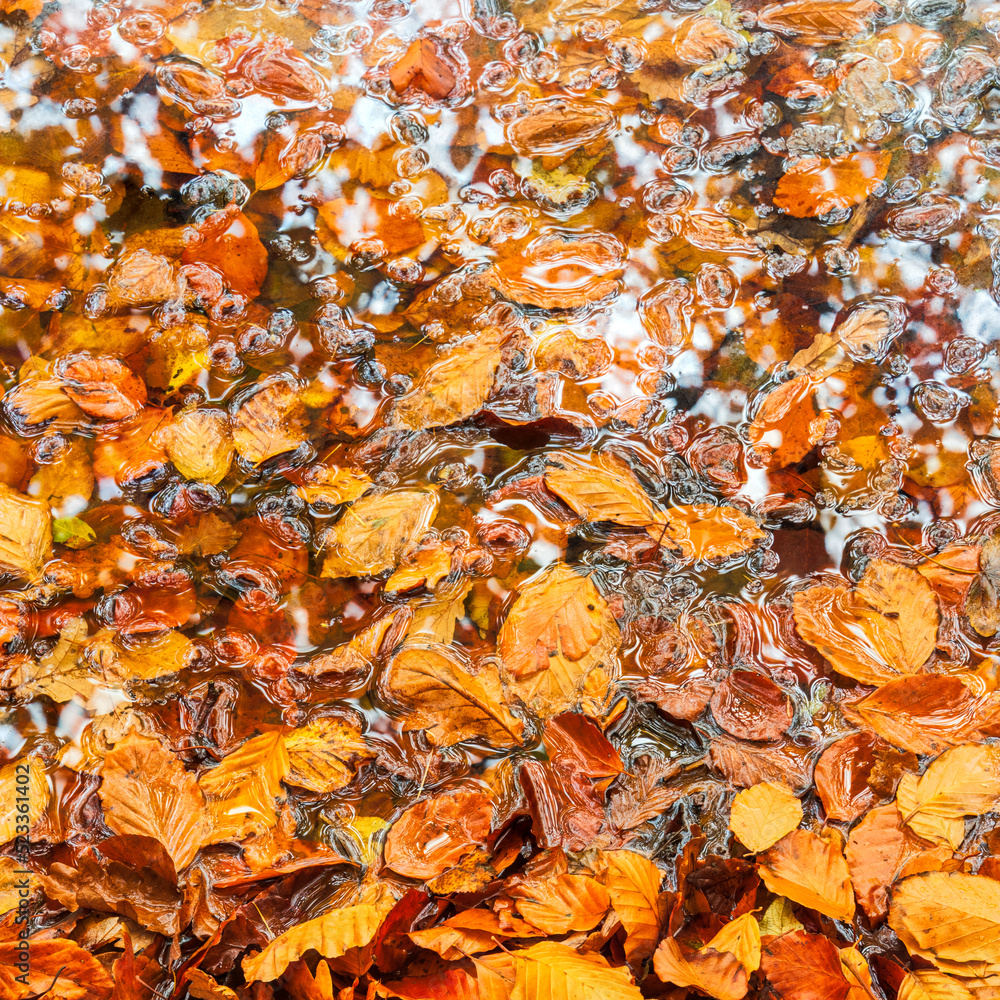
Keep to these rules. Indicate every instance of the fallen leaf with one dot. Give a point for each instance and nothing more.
(199, 443)
(815, 22)
(964, 781)
(762, 814)
(982, 602)
(810, 871)
(24, 796)
(376, 531)
(950, 919)
(602, 488)
(271, 422)
(103, 387)
(454, 388)
(803, 966)
(470, 932)
(331, 935)
(423, 67)
(716, 968)
(203, 987)
(25, 534)
(633, 884)
(437, 833)
(863, 336)
(323, 755)
(929, 984)
(439, 694)
(552, 971)
(812, 187)
(146, 792)
(557, 905)
(57, 968)
(751, 706)
(886, 626)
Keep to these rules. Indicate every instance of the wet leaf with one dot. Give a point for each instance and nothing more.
(146, 792)
(633, 884)
(200, 444)
(423, 67)
(552, 971)
(324, 755)
(810, 188)
(57, 967)
(810, 871)
(817, 21)
(964, 781)
(442, 696)
(376, 531)
(802, 966)
(886, 626)
(718, 968)
(929, 984)
(982, 602)
(269, 423)
(103, 387)
(24, 797)
(763, 814)
(751, 706)
(25, 534)
(863, 336)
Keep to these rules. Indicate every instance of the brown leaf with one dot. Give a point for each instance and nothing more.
(146, 792)
(841, 776)
(810, 871)
(602, 488)
(437, 833)
(982, 602)
(886, 626)
(811, 187)
(423, 67)
(103, 387)
(751, 706)
(782, 426)
(745, 765)
(815, 22)
(718, 968)
(324, 754)
(559, 631)
(863, 336)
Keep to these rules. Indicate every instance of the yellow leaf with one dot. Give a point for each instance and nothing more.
(929, 984)
(23, 784)
(13, 879)
(203, 987)
(322, 755)
(810, 871)
(241, 790)
(435, 617)
(331, 935)
(779, 918)
(740, 937)
(963, 781)
(200, 444)
(332, 485)
(719, 974)
(558, 631)
(886, 627)
(61, 674)
(376, 531)
(145, 791)
(634, 886)
(454, 388)
(269, 423)
(439, 694)
(123, 659)
(763, 814)
(551, 971)
(25, 534)
(950, 918)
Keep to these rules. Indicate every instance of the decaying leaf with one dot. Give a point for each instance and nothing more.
(271, 422)
(322, 756)
(24, 796)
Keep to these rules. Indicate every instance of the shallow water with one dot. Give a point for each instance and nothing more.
(435, 263)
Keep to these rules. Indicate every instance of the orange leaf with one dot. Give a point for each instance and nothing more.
(813, 187)
(423, 67)
(810, 871)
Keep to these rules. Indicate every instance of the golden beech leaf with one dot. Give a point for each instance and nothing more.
(23, 785)
(437, 833)
(552, 971)
(951, 919)
(763, 814)
(563, 903)
(332, 485)
(603, 488)
(422, 66)
(781, 428)
(633, 884)
(375, 532)
(741, 937)
(12, 881)
(25, 534)
(330, 935)
(145, 791)
(271, 422)
(454, 388)
(202, 986)
(200, 444)
(929, 984)
(885, 627)
(779, 918)
(322, 755)
(810, 871)
(242, 788)
(439, 694)
(812, 186)
(559, 631)
(964, 781)
(62, 674)
(470, 932)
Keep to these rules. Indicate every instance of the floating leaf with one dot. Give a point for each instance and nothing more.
(322, 755)
(271, 422)
(25, 534)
